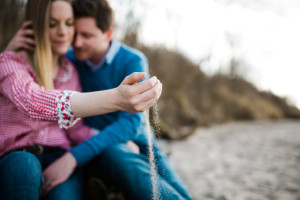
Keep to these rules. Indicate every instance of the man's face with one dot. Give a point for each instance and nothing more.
(90, 42)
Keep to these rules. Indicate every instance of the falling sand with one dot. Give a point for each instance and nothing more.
(155, 192)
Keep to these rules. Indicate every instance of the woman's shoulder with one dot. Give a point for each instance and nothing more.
(18, 57)
(15, 61)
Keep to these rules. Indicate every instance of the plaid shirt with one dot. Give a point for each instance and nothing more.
(29, 114)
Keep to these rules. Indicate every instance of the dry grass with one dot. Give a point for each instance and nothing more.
(191, 98)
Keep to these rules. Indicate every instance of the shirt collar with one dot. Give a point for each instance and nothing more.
(65, 72)
(109, 56)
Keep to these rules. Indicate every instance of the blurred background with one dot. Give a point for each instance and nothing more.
(229, 114)
(219, 60)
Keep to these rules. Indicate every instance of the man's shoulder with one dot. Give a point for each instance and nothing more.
(130, 52)
(129, 60)
(70, 55)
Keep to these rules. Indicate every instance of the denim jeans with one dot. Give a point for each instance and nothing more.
(120, 166)
(21, 178)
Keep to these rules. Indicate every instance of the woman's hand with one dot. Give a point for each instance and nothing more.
(23, 40)
(138, 97)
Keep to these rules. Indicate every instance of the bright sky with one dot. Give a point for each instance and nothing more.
(265, 34)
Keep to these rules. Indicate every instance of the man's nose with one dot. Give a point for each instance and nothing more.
(77, 41)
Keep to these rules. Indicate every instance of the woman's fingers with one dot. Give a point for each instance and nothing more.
(137, 97)
(145, 85)
(28, 41)
(28, 32)
(134, 78)
(26, 24)
(146, 99)
(27, 47)
(146, 105)
(23, 39)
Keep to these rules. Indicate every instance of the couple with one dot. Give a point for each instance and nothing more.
(38, 157)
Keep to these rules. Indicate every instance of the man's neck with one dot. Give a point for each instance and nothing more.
(96, 60)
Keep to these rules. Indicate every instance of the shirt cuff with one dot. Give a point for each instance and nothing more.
(66, 117)
(83, 153)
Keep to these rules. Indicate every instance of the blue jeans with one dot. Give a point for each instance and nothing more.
(119, 165)
(21, 178)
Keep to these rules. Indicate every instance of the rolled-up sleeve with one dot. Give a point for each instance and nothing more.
(18, 84)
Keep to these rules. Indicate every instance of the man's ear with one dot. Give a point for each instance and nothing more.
(109, 33)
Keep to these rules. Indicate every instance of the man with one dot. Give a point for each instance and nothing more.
(118, 154)
(102, 64)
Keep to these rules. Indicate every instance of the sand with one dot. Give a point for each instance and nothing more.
(240, 161)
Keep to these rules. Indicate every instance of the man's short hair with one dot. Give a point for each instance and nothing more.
(98, 9)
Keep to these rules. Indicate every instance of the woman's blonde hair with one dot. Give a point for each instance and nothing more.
(41, 58)
(38, 11)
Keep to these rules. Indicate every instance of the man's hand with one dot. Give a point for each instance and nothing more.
(138, 97)
(133, 147)
(23, 39)
(58, 172)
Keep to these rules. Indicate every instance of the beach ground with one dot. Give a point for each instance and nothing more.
(240, 161)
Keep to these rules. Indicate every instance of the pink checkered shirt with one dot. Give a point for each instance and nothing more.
(29, 114)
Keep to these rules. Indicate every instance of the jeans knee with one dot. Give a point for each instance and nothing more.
(21, 176)
(24, 165)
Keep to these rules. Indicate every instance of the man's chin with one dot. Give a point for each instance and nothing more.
(80, 55)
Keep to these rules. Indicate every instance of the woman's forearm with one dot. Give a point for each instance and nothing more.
(94, 103)
(129, 96)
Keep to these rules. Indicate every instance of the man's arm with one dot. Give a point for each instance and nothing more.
(123, 129)
(120, 131)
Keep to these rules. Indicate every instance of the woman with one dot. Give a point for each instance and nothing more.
(22, 99)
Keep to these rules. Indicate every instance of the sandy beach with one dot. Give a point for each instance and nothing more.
(240, 161)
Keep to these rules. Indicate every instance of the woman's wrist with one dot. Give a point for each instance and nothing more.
(95, 103)
(116, 99)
